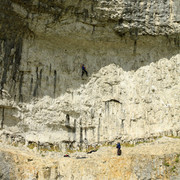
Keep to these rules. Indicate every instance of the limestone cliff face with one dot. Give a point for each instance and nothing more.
(131, 50)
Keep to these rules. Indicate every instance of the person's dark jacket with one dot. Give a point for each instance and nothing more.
(118, 146)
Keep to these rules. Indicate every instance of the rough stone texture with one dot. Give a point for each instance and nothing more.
(157, 160)
(113, 104)
(131, 49)
(132, 53)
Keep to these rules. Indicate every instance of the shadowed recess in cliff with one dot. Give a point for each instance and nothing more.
(12, 30)
(63, 57)
(11, 59)
(89, 37)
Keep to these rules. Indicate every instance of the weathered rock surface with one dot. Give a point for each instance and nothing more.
(157, 160)
(132, 53)
(113, 104)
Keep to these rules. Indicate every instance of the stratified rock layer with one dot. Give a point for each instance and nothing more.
(131, 50)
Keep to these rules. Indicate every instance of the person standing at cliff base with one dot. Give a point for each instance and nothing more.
(118, 146)
(84, 70)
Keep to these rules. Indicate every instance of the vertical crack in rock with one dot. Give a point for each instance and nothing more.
(94, 27)
(40, 78)
(75, 130)
(50, 69)
(2, 120)
(81, 134)
(31, 85)
(55, 79)
(35, 93)
(17, 62)
(134, 37)
(8, 45)
(20, 86)
(67, 120)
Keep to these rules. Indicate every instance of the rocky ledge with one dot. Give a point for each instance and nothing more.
(159, 159)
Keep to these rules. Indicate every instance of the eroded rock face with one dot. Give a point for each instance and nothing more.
(131, 50)
(157, 160)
